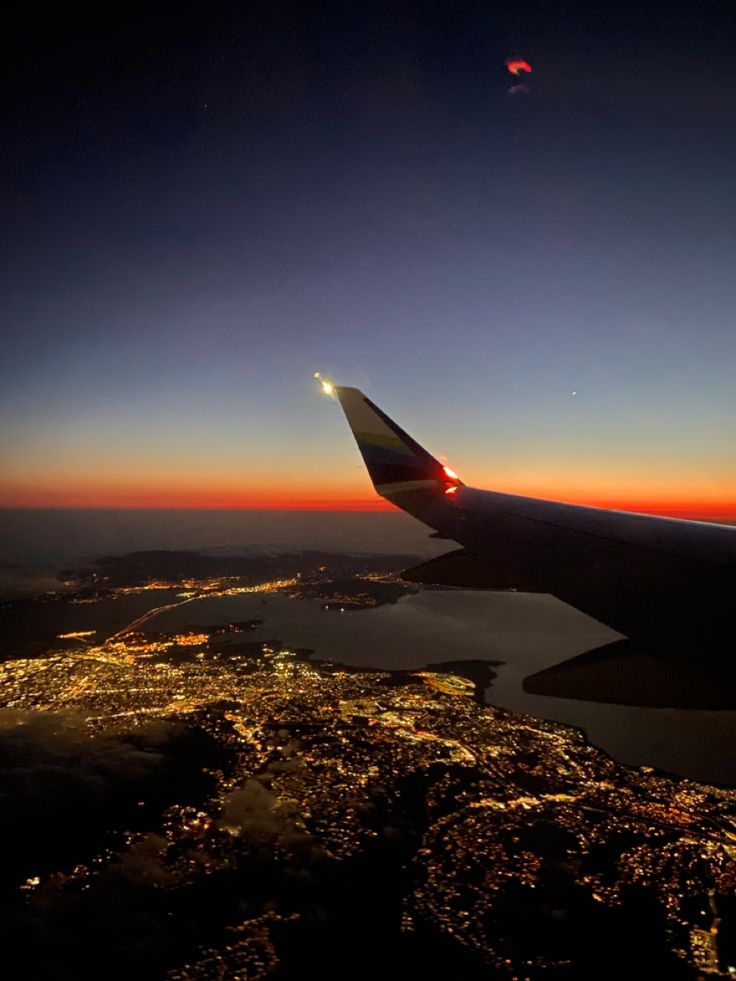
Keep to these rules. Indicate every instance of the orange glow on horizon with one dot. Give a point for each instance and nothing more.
(203, 500)
(666, 498)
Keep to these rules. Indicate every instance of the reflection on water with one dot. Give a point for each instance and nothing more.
(526, 632)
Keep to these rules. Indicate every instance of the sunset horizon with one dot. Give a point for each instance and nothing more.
(675, 507)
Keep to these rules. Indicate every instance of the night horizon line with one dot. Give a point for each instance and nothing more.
(685, 511)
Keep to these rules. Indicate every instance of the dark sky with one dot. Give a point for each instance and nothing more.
(204, 205)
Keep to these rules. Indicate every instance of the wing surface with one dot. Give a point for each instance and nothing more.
(667, 585)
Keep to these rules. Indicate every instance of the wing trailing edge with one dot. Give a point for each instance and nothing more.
(465, 570)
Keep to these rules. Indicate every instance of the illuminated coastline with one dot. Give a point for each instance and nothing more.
(317, 757)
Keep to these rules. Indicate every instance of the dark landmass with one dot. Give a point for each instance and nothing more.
(139, 568)
(116, 590)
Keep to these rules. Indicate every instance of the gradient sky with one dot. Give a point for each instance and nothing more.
(203, 208)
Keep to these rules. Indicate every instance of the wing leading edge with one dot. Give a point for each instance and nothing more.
(667, 585)
(402, 471)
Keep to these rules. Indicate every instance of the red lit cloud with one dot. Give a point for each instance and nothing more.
(517, 65)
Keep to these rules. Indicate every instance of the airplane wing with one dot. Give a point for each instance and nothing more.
(667, 585)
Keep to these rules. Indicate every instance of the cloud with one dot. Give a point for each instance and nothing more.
(257, 814)
(37, 745)
(63, 790)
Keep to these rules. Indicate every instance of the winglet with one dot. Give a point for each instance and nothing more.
(402, 471)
